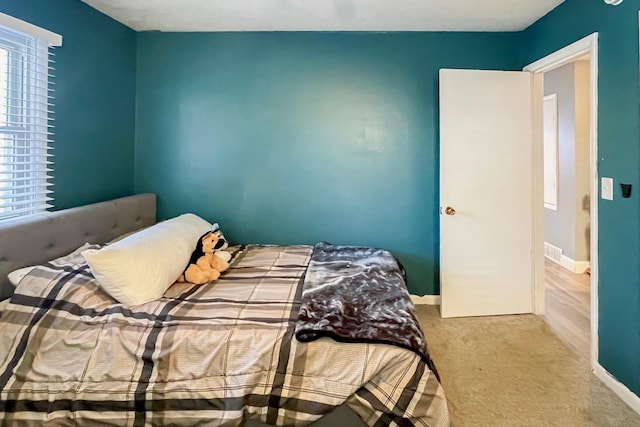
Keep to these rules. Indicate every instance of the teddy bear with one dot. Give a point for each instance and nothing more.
(206, 263)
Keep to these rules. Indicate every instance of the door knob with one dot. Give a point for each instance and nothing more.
(449, 210)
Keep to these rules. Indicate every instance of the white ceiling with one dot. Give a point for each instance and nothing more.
(326, 15)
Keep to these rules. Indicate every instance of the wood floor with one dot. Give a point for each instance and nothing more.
(568, 307)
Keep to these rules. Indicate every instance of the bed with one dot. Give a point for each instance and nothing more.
(227, 353)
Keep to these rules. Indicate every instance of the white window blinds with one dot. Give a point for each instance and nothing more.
(26, 123)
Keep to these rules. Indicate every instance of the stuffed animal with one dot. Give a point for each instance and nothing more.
(204, 265)
(220, 251)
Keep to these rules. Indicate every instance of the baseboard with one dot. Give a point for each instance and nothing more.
(427, 299)
(556, 255)
(621, 390)
(578, 267)
(581, 266)
(564, 262)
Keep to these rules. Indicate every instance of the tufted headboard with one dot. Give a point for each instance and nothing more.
(39, 238)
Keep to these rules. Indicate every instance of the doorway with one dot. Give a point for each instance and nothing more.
(566, 196)
(482, 112)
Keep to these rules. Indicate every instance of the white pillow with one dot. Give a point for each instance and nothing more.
(140, 267)
(123, 236)
(16, 275)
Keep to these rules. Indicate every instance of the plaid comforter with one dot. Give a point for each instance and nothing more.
(202, 355)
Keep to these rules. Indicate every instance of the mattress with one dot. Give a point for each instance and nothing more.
(210, 355)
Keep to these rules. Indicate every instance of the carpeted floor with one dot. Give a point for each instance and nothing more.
(513, 371)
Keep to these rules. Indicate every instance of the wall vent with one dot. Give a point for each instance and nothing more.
(552, 252)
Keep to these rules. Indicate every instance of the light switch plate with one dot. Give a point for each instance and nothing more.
(607, 188)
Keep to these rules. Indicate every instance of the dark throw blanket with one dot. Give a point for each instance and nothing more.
(354, 294)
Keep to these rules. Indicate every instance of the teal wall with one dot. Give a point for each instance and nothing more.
(95, 99)
(619, 157)
(300, 137)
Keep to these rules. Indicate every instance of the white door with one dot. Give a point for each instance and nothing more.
(486, 192)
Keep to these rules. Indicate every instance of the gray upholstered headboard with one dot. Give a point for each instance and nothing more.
(39, 238)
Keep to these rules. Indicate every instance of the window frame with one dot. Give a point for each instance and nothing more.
(25, 135)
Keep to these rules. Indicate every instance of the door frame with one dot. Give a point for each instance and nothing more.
(587, 45)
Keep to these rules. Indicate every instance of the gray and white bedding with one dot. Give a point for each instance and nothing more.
(202, 355)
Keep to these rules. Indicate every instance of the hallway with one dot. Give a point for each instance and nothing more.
(568, 307)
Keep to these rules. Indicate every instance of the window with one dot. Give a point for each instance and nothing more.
(551, 152)
(25, 119)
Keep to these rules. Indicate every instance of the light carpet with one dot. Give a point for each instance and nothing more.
(513, 371)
